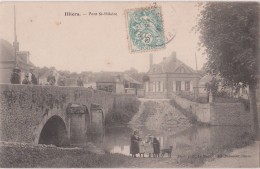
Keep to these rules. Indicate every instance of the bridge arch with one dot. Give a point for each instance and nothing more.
(52, 124)
(54, 132)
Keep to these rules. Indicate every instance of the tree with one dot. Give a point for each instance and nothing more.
(212, 86)
(131, 71)
(146, 78)
(41, 71)
(229, 33)
(135, 74)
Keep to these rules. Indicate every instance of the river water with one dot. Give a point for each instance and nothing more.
(194, 139)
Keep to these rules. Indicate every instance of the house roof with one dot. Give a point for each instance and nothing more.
(207, 78)
(170, 65)
(130, 79)
(107, 78)
(115, 78)
(6, 51)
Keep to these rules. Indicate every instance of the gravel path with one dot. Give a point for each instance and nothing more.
(246, 157)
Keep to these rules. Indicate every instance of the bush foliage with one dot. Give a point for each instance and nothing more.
(123, 113)
(190, 96)
(187, 113)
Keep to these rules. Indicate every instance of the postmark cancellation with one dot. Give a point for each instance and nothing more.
(145, 29)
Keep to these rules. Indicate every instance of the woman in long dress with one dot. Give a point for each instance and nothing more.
(134, 147)
(156, 147)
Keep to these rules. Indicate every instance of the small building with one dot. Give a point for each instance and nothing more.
(11, 56)
(119, 83)
(113, 84)
(8, 61)
(169, 77)
(132, 86)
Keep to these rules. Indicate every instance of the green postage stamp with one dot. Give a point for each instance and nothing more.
(145, 29)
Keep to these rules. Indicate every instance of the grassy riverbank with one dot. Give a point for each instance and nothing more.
(199, 157)
(17, 156)
(53, 157)
(49, 157)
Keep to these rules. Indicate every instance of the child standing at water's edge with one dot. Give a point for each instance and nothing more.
(141, 147)
(149, 145)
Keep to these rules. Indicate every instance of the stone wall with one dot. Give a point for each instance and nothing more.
(24, 109)
(120, 99)
(217, 113)
(202, 111)
(140, 93)
(229, 114)
(156, 95)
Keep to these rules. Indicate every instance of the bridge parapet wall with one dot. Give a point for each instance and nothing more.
(24, 107)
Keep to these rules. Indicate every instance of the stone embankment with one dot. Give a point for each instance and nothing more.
(160, 115)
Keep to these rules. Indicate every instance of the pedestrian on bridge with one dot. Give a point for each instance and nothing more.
(51, 79)
(26, 79)
(80, 82)
(34, 80)
(16, 76)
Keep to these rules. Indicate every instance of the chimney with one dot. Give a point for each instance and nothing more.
(151, 60)
(173, 55)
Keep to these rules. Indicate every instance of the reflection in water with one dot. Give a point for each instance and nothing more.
(121, 150)
(195, 139)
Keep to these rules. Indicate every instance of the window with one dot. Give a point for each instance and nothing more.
(110, 88)
(178, 85)
(150, 87)
(162, 86)
(147, 86)
(159, 86)
(187, 86)
(107, 88)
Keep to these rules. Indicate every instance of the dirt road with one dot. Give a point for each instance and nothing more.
(246, 157)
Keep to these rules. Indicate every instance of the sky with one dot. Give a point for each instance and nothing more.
(96, 43)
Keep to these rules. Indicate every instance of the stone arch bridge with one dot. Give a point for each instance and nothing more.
(51, 114)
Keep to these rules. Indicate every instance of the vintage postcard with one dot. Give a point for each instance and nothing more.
(129, 84)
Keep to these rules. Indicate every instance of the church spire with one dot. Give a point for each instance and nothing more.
(15, 43)
(15, 36)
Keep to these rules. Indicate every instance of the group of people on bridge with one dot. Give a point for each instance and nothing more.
(51, 79)
(16, 77)
(150, 145)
